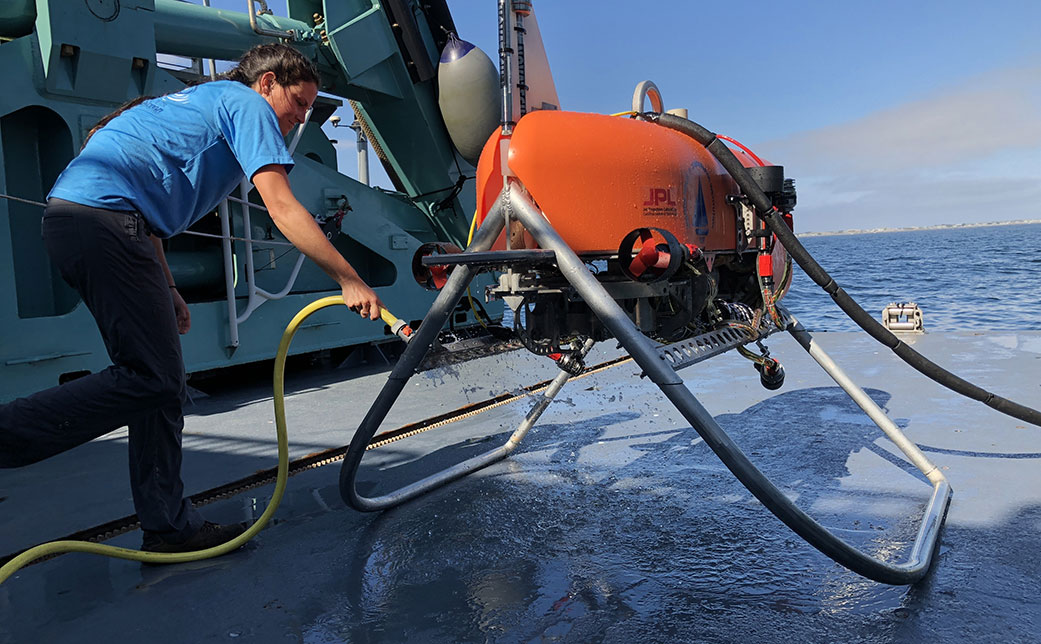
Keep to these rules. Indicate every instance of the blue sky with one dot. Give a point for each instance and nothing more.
(886, 114)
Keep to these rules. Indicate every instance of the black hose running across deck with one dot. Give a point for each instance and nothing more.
(767, 212)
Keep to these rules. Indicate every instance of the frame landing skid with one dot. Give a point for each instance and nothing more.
(660, 364)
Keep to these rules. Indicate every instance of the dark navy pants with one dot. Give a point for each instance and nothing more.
(108, 257)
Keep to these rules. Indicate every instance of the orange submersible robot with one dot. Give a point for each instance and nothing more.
(665, 237)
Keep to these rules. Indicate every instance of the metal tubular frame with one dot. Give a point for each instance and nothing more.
(255, 295)
(414, 353)
(228, 256)
(255, 24)
(647, 356)
(505, 68)
(416, 350)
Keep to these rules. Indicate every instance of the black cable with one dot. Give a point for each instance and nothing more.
(766, 211)
(457, 187)
(275, 259)
(537, 347)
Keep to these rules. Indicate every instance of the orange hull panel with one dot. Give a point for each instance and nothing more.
(598, 177)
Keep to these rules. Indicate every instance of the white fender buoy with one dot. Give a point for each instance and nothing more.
(468, 95)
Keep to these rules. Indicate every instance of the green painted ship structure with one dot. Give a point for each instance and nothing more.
(67, 63)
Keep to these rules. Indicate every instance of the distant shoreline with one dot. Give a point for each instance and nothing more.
(913, 228)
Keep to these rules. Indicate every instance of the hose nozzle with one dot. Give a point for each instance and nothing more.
(397, 326)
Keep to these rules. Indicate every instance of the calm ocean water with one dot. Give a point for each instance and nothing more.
(984, 277)
(981, 278)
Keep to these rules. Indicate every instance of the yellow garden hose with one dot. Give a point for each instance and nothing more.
(59, 547)
(473, 227)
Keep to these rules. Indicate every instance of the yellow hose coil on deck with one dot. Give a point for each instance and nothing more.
(59, 547)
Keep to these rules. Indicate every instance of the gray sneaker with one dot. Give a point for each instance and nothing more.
(208, 536)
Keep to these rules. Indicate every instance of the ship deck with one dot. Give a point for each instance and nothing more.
(613, 522)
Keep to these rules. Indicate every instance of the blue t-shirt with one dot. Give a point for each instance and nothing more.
(174, 158)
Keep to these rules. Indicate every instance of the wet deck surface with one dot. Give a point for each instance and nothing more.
(614, 522)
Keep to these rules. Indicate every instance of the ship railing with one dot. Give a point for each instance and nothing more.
(255, 296)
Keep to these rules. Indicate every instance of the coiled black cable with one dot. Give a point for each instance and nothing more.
(537, 347)
(766, 211)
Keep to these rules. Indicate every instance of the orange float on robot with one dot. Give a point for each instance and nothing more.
(598, 177)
